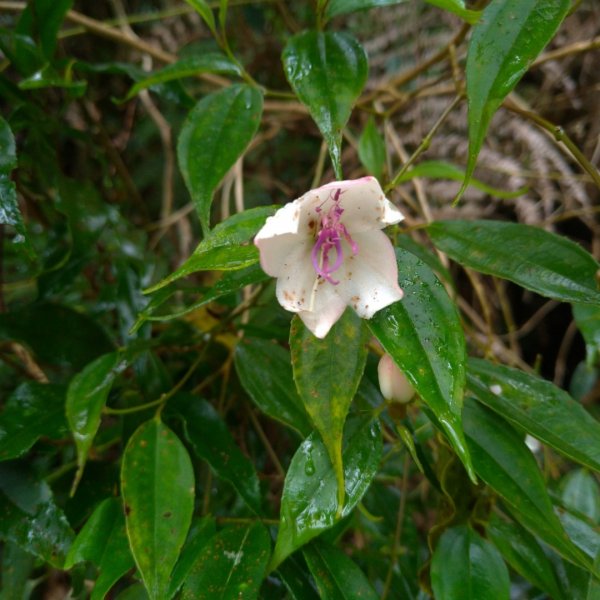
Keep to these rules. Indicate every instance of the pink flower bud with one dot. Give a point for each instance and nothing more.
(393, 384)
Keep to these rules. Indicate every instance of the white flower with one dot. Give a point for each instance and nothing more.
(327, 251)
(393, 383)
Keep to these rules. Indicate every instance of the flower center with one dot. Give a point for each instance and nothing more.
(329, 239)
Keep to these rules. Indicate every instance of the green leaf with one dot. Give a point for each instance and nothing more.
(42, 19)
(524, 554)
(203, 9)
(222, 258)
(103, 541)
(215, 134)
(457, 7)
(232, 565)
(584, 534)
(265, 372)
(580, 493)
(297, 579)
(10, 213)
(505, 41)
(466, 566)
(222, 249)
(33, 410)
(540, 408)
(210, 438)
(327, 373)
(308, 503)
(540, 261)
(438, 169)
(157, 483)
(211, 62)
(86, 397)
(327, 71)
(341, 7)
(336, 575)
(58, 335)
(201, 531)
(587, 318)
(424, 336)
(504, 462)
(371, 149)
(30, 518)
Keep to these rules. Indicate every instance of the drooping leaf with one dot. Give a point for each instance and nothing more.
(210, 438)
(42, 19)
(327, 71)
(203, 9)
(103, 541)
(32, 410)
(265, 371)
(524, 554)
(157, 483)
(29, 516)
(327, 373)
(211, 62)
(504, 462)
(505, 41)
(337, 576)
(309, 502)
(539, 407)
(587, 318)
(424, 336)
(540, 261)
(231, 565)
(86, 397)
(371, 149)
(215, 134)
(466, 566)
(437, 169)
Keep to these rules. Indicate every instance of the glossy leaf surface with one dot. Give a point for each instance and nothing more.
(537, 260)
(232, 565)
(587, 318)
(539, 407)
(327, 373)
(466, 566)
(337, 576)
(265, 372)
(504, 462)
(157, 483)
(309, 502)
(505, 41)
(103, 541)
(86, 397)
(423, 334)
(211, 440)
(327, 71)
(203, 9)
(580, 493)
(215, 134)
(32, 410)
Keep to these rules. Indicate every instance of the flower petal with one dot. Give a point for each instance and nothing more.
(369, 279)
(296, 279)
(328, 307)
(364, 203)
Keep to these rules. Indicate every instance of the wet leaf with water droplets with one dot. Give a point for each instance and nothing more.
(309, 501)
(328, 71)
(505, 41)
(424, 336)
(231, 565)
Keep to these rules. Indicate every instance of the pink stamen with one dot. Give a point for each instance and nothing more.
(330, 238)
